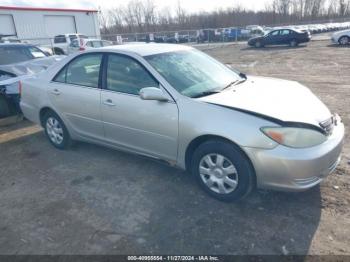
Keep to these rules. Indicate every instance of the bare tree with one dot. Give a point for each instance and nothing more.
(143, 15)
(180, 14)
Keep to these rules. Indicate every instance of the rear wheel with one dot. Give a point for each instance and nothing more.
(222, 170)
(56, 131)
(344, 40)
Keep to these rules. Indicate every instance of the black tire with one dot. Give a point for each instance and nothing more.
(66, 140)
(58, 51)
(293, 43)
(5, 110)
(245, 171)
(344, 40)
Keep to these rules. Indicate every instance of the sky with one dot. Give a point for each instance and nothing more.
(188, 5)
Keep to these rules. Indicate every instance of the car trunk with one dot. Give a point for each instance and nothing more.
(10, 77)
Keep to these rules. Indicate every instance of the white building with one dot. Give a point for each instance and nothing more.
(35, 24)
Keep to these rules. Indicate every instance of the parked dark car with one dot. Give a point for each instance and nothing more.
(281, 37)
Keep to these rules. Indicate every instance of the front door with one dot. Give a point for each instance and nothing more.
(145, 126)
(273, 38)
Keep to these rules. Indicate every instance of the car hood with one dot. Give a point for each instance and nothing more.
(256, 38)
(286, 101)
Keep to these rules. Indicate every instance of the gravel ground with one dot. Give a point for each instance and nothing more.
(93, 200)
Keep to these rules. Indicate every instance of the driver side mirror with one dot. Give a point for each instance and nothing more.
(153, 93)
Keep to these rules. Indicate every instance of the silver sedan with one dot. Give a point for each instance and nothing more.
(174, 103)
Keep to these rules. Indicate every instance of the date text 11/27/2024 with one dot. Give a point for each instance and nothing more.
(173, 258)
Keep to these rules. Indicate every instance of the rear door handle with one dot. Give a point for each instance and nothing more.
(109, 102)
(56, 92)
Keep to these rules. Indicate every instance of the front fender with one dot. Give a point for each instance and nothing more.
(198, 118)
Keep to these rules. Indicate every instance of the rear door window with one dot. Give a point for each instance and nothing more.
(83, 70)
(285, 32)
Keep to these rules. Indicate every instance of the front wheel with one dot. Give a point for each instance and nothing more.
(56, 131)
(344, 40)
(223, 170)
(258, 44)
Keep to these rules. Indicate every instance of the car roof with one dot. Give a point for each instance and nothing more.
(147, 49)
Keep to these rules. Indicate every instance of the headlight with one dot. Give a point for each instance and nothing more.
(294, 136)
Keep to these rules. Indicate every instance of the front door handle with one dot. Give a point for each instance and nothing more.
(56, 92)
(109, 102)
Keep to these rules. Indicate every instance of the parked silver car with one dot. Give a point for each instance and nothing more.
(177, 104)
(341, 37)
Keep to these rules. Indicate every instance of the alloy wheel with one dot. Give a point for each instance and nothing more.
(54, 130)
(218, 173)
(344, 40)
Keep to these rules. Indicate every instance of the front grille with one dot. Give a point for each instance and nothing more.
(328, 125)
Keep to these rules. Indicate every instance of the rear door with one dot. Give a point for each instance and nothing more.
(75, 94)
(145, 126)
(285, 36)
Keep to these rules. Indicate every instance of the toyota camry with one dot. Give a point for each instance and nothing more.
(233, 132)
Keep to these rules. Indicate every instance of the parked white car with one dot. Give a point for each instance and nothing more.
(341, 37)
(62, 42)
(86, 44)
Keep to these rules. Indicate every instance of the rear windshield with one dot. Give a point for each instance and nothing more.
(5, 75)
(17, 54)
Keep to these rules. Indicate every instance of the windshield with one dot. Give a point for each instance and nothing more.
(17, 54)
(192, 72)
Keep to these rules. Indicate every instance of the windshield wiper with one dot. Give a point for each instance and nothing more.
(206, 93)
(230, 84)
(240, 81)
(236, 82)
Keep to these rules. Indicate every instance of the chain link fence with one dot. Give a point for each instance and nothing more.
(218, 35)
(192, 37)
